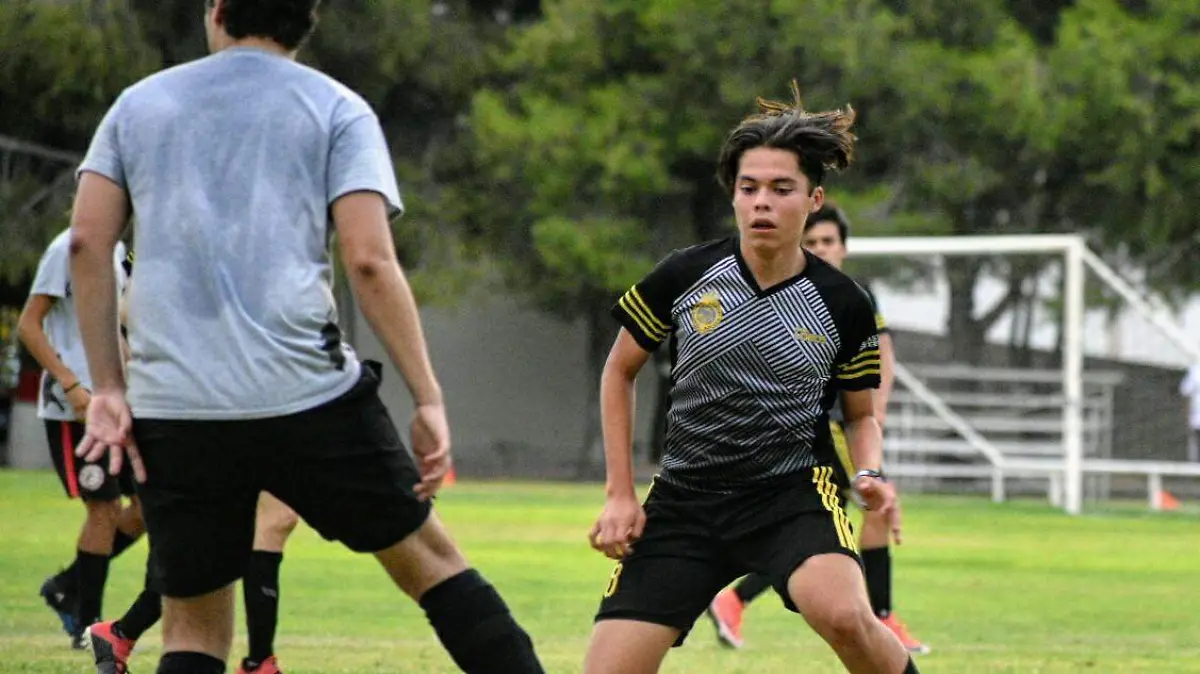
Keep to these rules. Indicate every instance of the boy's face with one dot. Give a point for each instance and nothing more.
(825, 241)
(772, 199)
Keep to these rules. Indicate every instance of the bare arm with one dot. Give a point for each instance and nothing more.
(33, 336)
(100, 212)
(866, 436)
(887, 375)
(383, 293)
(624, 362)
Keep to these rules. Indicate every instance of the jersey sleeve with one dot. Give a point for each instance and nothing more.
(359, 161)
(52, 278)
(104, 154)
(858, 365)
(645, 309)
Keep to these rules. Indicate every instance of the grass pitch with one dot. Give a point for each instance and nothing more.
(1017, 588)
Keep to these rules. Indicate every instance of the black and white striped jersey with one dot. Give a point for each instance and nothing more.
(753, 371)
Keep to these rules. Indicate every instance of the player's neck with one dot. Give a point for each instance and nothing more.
(771, 267)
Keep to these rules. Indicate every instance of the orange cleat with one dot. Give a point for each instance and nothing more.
(901, 631)
(726, 613)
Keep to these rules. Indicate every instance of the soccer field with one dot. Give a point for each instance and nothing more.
(1014, 588)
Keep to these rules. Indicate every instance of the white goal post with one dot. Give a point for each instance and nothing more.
(1077, 259)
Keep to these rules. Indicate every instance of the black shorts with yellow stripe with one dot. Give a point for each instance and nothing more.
(696, 543)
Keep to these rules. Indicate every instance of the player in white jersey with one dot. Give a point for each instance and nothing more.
(49, 330)
(240, 167)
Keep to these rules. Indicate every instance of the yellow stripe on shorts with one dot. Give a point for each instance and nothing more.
(841, 523)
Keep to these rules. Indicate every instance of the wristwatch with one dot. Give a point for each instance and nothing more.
(878, 475)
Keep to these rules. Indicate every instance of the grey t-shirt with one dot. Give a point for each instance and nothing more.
(53, 279)
(232, 163)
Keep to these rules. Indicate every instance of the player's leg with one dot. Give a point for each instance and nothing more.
(812, 559)
(656, 592)
(111, 642)
(829, 591)
(349, 476)
(273, 524)
(101, 498)
(199, 499)
(129, 530)
(877, 563)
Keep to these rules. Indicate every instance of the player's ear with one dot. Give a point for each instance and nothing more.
(818, 198)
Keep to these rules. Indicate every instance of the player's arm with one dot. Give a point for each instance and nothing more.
(383, 293)
(99, 215)
(862, 426)
(644, 313)
(32, 334)
(624, 362)
(887, 376)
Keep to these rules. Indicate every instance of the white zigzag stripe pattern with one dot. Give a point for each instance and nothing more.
(747, 394)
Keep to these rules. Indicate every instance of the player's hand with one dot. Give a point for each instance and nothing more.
(79, 398)
(431, 446)
(619, 525)
(875, 494)
(110, 431)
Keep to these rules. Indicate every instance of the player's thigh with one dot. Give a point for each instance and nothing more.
(423, 560)
(780, 550)
(628, 647)
(830, 592)
(345, 471)
(674, 571)
(198, 501)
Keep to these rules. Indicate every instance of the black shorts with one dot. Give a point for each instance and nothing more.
(341, 466)
(82, 479)
(696, 543)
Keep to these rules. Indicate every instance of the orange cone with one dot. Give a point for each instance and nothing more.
(1167, 501)
(451, 479)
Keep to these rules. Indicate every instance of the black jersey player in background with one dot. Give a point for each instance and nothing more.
(825, 235)
(762, 336)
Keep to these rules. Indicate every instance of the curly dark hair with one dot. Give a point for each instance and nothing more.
(288, 22)
(821, 140)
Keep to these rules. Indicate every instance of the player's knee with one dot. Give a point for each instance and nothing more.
(843, 623)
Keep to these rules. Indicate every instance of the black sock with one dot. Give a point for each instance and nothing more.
(260, 592)
(141, 616)
(476, 628)
(91, 575)
(182, 662)
(66, 579)
(911, 668)
(877, 562)
(751, 586)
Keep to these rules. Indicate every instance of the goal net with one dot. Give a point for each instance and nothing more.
(1027, 365)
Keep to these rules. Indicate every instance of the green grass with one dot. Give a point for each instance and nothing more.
(1014, 588)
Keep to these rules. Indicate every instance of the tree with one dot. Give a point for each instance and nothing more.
(58, 76)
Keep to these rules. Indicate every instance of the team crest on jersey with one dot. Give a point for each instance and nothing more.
(806, 335)
(91, 477)
(707, 313)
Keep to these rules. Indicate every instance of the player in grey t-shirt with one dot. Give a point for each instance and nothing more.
(240, 167)
(49, 331)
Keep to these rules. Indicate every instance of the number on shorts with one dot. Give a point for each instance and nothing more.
(613, 580)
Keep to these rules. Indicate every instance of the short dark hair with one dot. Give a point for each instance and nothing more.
(820, 140)
(288, 22)
(830, 213)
